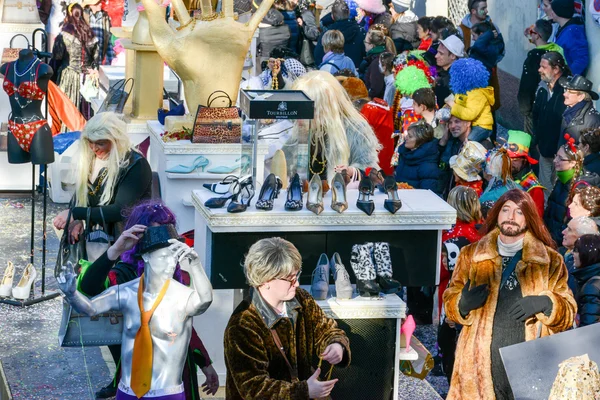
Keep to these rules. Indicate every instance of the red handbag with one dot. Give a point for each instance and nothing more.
(217, 124)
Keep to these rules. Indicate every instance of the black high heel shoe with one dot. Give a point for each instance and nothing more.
(268, 193)
(294, 195)
(236, 186)
(223, 187)
(393, 202)
(365, 190)
(241, 200)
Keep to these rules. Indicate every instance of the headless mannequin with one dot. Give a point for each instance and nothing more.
(41, 150)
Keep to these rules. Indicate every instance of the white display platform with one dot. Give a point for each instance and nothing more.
(110, 74)
(176, 189)
(211, 325)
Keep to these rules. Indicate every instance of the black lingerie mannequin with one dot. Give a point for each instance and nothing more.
(25, 109)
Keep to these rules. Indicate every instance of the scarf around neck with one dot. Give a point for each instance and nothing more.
(565, 176)
(571, 112)
(509, 250)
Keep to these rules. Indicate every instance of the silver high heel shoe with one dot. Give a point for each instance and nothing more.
(314, 199)
(7, 280)
(338, 193)
(21, 291)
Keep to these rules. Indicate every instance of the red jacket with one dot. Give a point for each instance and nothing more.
(379, 116)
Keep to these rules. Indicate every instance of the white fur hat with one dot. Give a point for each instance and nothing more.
(372, 6)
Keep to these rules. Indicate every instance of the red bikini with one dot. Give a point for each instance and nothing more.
(24, 132)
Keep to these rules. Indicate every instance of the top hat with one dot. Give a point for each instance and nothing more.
(518, 145)
(157, 237)
(579, 83)
(469, 162)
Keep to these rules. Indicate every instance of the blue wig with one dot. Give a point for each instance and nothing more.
(467, 74)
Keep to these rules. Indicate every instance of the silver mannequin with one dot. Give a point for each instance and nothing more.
(171, 323)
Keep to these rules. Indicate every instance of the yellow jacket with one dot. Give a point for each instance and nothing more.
(475, 106)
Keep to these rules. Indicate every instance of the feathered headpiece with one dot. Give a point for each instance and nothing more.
(467, 74)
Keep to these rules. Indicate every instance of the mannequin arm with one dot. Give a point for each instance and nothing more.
(104, 302)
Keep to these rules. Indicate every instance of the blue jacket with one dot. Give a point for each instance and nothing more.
(572, 39)
(337, 62)
(556, 211)
(488, 49)
(354, 38)
(419, 167)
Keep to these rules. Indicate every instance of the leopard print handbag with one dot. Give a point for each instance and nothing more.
(217, 124)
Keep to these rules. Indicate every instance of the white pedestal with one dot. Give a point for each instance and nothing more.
(177, 189)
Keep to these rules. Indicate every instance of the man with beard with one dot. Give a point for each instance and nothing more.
(508, 288)
(548, 109)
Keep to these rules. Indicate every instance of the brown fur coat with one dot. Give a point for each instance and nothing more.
(256, 370)
(541, 271)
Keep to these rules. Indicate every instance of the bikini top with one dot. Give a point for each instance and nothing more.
(27, 90)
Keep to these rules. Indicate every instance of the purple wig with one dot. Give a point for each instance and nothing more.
(148, 213)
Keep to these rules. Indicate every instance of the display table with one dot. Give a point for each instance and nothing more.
(176, 189)
(414, 235)
(372, 325)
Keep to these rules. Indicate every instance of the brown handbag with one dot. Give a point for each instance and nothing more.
(217, 124)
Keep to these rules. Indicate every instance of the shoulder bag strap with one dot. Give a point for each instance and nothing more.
(293, 372)
(510, 267)
(88, 227)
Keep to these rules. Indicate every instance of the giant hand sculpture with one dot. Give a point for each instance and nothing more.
(207, 53)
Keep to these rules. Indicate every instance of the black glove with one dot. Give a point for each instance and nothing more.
(472, 299)
(530, 305)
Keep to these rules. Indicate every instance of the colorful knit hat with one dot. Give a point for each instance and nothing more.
(467, 74)
(518, 145)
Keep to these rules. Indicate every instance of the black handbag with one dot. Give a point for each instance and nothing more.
(117, 96)
(97, 241)
(67, 251)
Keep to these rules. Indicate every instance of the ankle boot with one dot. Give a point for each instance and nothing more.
(364, 270)
(319, 288)
(343, 287)
(383, 266)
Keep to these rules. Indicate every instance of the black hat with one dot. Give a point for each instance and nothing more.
(563, 8)
(157, 237)
(581, 84)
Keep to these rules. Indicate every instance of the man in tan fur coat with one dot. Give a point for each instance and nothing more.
(508, 288)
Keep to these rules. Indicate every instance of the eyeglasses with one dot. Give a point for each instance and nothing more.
(293, 280)
(557, 158)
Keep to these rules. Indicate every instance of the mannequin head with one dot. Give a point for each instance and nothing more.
(159, 263)
(104, 135)
(586, 202)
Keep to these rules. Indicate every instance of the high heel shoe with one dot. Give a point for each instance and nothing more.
(338, 193)
(241, 200)
(393, 202)
(377, 177)
(268, 193)
(343, 287)
(242, 164)
(365, 190)
(294, 195)
(314, 198)
(364, 270)
(406, 331)
(21, 291)
(222, 187)
(319, 288)
(7, 280)
(383, 265)
(200, 162)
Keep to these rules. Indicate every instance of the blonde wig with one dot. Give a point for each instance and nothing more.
(104, 126)
(337, 126)
(271, 258)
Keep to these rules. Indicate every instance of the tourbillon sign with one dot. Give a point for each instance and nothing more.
(276, 104)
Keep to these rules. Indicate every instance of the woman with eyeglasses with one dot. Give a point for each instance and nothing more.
(111, 175)
(567, 163)
(586, 258)
(376, 42)
(276, 332)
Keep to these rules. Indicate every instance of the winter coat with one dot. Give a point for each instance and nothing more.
(476, 106)
(373, 77)
(465, 27)
(379, 116)
(588, 295)
(405, 27)
(587, 117)
(541, 272)
(591, 163)
(556, 210)
(419, 167)
(530, 77)
(548, 109)
(442, 87)
(354, 41)
(336, 62)
(256, 369)
(309, 25)
(488, 49)
(571, 37)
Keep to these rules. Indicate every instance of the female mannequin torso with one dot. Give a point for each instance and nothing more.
(26, 83)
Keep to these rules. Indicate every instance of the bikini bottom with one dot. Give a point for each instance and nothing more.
(24, 133)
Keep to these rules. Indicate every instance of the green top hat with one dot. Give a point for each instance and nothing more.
(518, 145)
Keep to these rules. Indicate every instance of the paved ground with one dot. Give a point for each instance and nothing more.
(36, 367)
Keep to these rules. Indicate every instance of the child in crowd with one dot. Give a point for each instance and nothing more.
(488, 44)
(386, 66)
(424, 105)
(334, 59)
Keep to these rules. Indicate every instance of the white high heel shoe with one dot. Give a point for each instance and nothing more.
(7, 281)
(21, 291)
